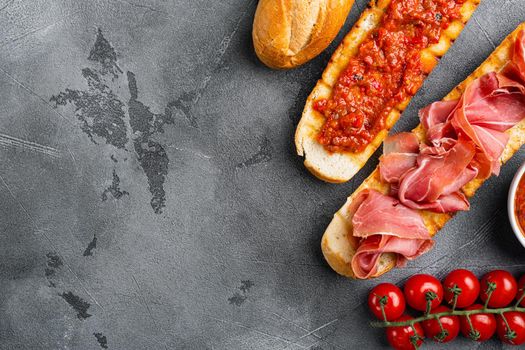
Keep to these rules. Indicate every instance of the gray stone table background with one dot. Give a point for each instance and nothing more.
(150, 197)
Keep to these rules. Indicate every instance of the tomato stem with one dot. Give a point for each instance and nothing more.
(521, 298)
(430, 296)
(456, 291)
(491, 287)
(510, 334)
(446, 313)
(429, 307)
(474, 333)
(382, 302)
(415, 338)
(443, 334)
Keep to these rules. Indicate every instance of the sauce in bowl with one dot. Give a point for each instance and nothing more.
(516, 205)
(519, 204)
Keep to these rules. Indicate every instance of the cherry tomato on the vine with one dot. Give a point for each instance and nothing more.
(521, 290)
(392, 299)
(504, 287)
(422, 288)
(450, 326)
(404, 338)
(483, 325)
(516, 334)
(463, 282)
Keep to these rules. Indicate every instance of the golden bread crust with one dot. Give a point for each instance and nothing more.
(288, 33)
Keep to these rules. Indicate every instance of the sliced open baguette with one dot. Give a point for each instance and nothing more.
(338, 245)
(342, 166)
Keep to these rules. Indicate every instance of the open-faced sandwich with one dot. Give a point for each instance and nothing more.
(371, 78)
(427, 175)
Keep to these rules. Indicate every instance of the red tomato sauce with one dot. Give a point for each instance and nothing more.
(385, 72)
(519, 204)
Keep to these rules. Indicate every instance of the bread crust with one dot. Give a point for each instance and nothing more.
(288, 33)
(337, 244)
(340, 167)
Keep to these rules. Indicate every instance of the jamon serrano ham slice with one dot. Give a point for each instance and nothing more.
(400, 155)
(386, 226)
(435, 182)
(517, 66)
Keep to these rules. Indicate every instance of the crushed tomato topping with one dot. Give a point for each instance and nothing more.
(385, 72)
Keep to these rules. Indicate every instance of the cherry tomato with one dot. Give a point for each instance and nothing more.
(391, 296)
(402, 338)
(516, 334)
(521, 290)
(419, 288)
(464, 281)
(506, 288)
(484, 325)
(450, 326)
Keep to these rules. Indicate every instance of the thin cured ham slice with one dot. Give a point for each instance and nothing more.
(400, 153)
(382, 214)
(519, 55)
(386, 226)
(404, 142)
(434, 117)
(435, 182)
(395, 165)
(516, 68)
(366, 259)
(430, 178)
(490, 106)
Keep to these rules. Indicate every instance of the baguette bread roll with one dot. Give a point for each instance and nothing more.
(288, 33)
(338, 167)
(338, 243)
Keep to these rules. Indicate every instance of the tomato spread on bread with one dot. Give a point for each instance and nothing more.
(386, 71)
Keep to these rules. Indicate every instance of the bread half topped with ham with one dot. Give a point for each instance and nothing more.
(371, 78)
(427, 175)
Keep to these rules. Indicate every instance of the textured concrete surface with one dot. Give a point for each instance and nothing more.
(150, 197)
